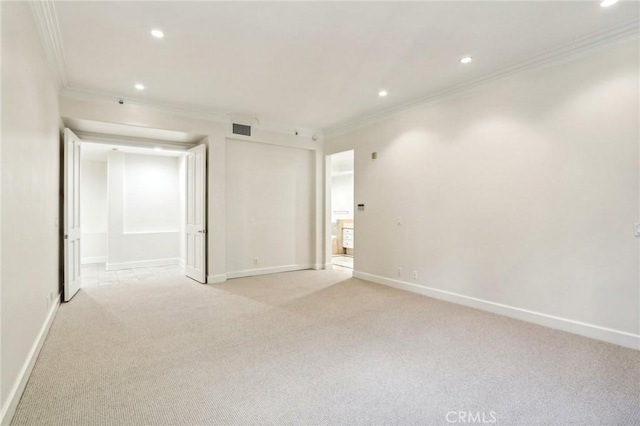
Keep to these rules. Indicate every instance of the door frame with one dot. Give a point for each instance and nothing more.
(328, 207)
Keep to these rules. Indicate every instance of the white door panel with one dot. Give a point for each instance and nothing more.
(72, 278)
(196, 214)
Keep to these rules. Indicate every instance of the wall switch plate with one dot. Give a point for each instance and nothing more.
(255, 260)
(415, 275)
(637, 227)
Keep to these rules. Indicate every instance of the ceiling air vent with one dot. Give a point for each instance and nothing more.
(241, 129)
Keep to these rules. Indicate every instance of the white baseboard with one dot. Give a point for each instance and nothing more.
(23, 377)
(609, 335)
(97, 259)
(142, 264)
(182, 263)
(265, 271)
(217, 279)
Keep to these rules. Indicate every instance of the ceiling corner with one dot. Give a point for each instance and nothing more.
(44, 13)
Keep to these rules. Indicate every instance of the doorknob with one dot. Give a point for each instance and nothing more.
(202, 231)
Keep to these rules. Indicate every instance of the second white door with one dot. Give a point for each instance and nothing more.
(196, 214)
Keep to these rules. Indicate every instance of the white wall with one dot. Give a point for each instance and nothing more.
(143, 212)
(30, 206)
(341, 197)
(93, 210)
(270, 212)
(522, 192)
(151, 195)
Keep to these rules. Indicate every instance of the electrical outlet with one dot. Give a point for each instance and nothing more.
(51, 296)
(637, 227)
(255, 260)
(415, 275)
(399, 271)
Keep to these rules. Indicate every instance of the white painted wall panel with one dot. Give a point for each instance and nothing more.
(151, 194)
(93, 210)
(269, 202)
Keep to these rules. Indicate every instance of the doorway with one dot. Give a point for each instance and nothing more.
(342, 210)
(132, 209)
(135, 212)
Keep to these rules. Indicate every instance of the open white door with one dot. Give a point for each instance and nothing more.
(72, 280)
(196, 228)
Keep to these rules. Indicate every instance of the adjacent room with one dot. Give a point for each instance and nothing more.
(132, 203)
(411, 213)
(342, 205)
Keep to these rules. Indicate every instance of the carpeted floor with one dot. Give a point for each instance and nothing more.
(314, 347)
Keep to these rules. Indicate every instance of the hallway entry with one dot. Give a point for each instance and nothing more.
(342, 210)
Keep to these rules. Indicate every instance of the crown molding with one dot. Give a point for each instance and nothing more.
(46, 19)
(74, 93)
(48, 27)
(627, 30)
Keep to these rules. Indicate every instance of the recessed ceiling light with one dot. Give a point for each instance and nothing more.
(382, 93)
(607, 3)
(139, 86)
(466, 60)
(157, 33)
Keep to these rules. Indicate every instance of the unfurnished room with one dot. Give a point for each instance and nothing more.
(320, 213)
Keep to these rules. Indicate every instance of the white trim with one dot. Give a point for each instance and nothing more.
(629, 29)
(217, 279)
(175, 231)
(265, 271)
(71, 92)
(609, 335)
(142, 264)
(96, 259)
(23, 377)
(182, 263)
(46, 19)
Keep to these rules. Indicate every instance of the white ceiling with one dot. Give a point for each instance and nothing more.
(310, 64)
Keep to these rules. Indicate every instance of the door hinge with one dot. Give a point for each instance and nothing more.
(66, 236)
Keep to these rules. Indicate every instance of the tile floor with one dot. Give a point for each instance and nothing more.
(342, 261)
(95, 274)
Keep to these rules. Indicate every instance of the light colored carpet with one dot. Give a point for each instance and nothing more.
(314, 347)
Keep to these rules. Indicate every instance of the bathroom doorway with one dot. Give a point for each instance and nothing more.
(342, 210)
